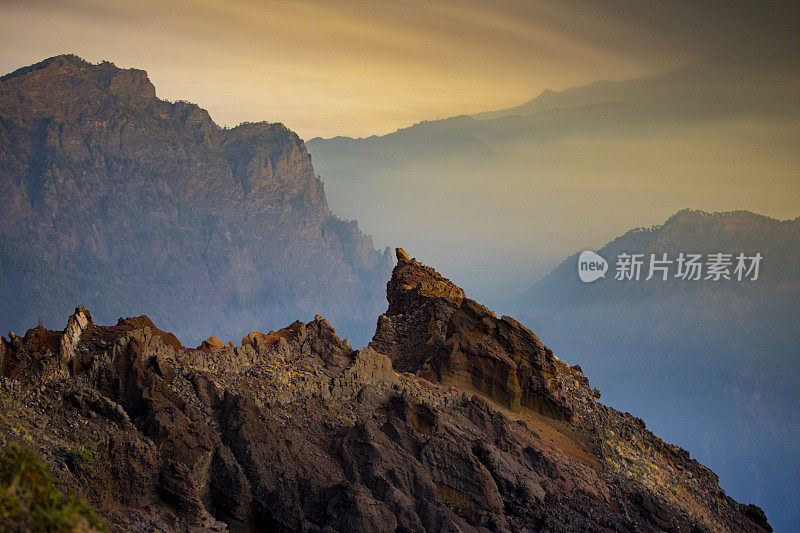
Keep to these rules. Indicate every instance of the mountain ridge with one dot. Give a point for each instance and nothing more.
(108, 186)
(468, 423)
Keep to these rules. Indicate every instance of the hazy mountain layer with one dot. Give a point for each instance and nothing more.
(711, 365)
(530, 185)
(121, 201)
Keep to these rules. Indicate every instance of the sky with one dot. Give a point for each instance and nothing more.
(358, 68)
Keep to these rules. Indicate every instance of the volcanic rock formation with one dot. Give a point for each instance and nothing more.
(450, 420)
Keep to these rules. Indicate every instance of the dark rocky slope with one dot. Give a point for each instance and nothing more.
(482, 429)
(132, 203)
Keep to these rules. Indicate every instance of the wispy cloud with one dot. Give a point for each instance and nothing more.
(357, 67)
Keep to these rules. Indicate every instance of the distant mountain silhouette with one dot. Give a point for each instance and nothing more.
(711, 365)
(706, 88)
(123, 202)
(533, 183)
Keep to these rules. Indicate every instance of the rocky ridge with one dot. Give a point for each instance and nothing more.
(450, 420)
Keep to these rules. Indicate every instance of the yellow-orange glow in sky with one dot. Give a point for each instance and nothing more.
(359, 68)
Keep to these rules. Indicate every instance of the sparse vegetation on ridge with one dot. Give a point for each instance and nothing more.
(31, 501)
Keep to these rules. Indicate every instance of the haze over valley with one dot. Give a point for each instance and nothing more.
(571, 170)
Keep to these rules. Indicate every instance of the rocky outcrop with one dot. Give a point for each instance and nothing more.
(210, 344)
(76, 325)
(116, 198)
(433, 330)
(482, 429)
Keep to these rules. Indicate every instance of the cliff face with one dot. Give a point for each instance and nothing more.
(482, 429)
(125, 201)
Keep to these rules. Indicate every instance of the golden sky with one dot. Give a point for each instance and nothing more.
(359, 68)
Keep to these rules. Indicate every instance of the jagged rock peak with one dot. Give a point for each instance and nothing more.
(432, 330)
(412, 283)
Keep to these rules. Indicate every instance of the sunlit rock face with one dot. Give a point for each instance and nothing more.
(119, 200)
(432, 328)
